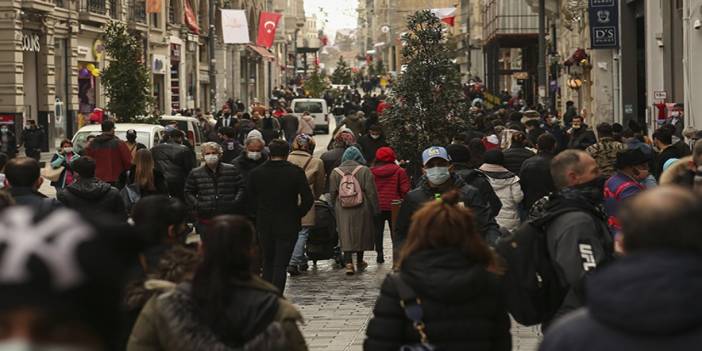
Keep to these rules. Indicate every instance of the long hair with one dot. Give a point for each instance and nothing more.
(445, 224)
(144, 173)
(228, 251)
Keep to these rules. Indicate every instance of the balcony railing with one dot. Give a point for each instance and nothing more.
(137, 11)
(94, 6)
(509, 17)
(114, 6)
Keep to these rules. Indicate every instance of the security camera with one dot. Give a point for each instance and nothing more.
(697, 24)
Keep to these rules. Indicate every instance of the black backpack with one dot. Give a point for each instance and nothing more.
(533, 292)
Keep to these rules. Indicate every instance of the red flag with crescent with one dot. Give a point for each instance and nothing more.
(267, 24)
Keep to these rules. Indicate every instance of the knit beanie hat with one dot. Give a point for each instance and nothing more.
(495, 157)
(254, 135)
(353, 154)
(458, 153)
(385, 154)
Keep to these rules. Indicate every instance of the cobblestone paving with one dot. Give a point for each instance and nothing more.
(337, 307)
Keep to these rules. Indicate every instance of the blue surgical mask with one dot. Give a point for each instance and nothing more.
(438, 175)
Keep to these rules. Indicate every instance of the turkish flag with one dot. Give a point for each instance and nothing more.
(446, 15)
(267, 24)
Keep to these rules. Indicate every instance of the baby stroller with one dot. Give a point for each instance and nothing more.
(323, 241)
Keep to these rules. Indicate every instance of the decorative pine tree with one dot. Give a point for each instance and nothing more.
(427, 106)
(127, 79)
(342, 73)
(316, 83)
(380, 67)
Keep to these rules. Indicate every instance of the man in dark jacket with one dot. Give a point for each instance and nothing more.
(230, 144)
(281, 197)
(32, 138)
(174, 161)
(460, 159)
(90, 194)
(214, 188)
(648, 300)
(8, 141)
(570, 113)
(253, 155)
(579, 240)
(535, 176)
(580, 136)
(517, 153)
(289, 123)
(438, 178)
(371, 142)
(663, 140)
(111, 155)
(23, 176)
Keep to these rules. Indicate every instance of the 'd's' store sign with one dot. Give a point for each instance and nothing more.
(30, 42)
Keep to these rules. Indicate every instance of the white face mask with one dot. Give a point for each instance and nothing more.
(67, 150)
(375, 136)
(211, 160)
(438, 175)
(25, 345)
(254, 155)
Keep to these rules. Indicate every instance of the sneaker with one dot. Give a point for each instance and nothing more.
(362, 266)
(349, 269)
(293, 270)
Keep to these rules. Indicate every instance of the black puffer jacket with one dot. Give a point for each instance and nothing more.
(515, 157)
(174, 161)
(644, 302)
(92, 195)
(211, 193)
(245, 165)
(479, 180)
(460, 301)
(470, 197)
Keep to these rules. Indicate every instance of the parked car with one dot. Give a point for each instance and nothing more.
(191, 128)
(147, 134)
(317, 108)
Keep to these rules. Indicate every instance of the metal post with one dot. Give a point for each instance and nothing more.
(213, 61)
(554, 66)
(542, 79)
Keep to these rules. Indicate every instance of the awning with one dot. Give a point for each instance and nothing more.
(265, 54)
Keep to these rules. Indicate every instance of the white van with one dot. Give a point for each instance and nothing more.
(147, 134)
(317, 108)
(190, 126)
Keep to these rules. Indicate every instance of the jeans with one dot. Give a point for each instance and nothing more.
(276, 256)
(338, 119)
(298, 255)
(380, 220)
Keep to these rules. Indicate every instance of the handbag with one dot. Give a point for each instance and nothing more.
(51, 173)
(412, 305)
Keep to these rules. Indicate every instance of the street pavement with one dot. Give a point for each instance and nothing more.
(336, 307)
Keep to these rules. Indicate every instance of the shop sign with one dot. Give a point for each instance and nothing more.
(660, 95)
(98, 49)
(604, 24)
(30, 42)
(520, 75)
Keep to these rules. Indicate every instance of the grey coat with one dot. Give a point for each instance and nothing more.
(356, 226)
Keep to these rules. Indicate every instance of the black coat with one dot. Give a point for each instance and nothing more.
(535, 178)
(369, 146)
(26, 196)
(581, 138)
(93, 196)
(331, 159)
(209, 193)
(231, 150)
(515, 156)
(245, 165)
(281, 196)
(644, 302)
(470, 196)
(479, 180)
(460, 300)
(174, 161)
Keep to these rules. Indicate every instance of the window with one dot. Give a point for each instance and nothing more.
(114, 9)
(202, 17)
(174, 16)
(308, 106)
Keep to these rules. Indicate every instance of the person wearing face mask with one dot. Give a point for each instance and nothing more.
(230, 144)
(174, 161)
(580, 136)
(632, 169)
(371, 142)
(63, 158)
(8, 141)
(32, 137)
(577, 236)
(214, 188)
(438, 179)
(677, 120)
(253, 155)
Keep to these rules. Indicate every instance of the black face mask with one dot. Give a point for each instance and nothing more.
(594, 189)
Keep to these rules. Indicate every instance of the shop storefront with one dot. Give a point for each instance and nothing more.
(90, 55)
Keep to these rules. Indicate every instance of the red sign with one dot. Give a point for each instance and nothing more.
(190, 19)
(267, 24)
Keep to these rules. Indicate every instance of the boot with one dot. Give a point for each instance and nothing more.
(349, 269)
(380, 258)
(293, 270)
(361, 266)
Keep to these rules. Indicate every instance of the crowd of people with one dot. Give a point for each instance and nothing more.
(202, 252)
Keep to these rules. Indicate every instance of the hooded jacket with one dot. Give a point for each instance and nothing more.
(460, 301)
(507, 187)
(260, 318)
(392, 183)
(174, 161)
(515, 157)
(646, 301)
(479, 180)
(111, 155)
(93, 195)
(470, 197)
(369, 146)
(535, 178)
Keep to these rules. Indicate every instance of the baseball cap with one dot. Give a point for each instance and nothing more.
(435, 152)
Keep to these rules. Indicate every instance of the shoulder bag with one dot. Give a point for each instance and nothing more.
(412, 305)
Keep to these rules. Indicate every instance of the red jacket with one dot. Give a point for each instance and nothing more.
(111, 155)
(392, 183)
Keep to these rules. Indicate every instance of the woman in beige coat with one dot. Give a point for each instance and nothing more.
(306, 125)
(355, 224)
(303, 148)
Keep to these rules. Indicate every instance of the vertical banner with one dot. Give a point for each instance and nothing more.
(267, 24)
(604, 24)
(235, 27)
(153, 6)
(190, 19)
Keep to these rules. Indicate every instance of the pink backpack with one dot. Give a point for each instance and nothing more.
(350, 192)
